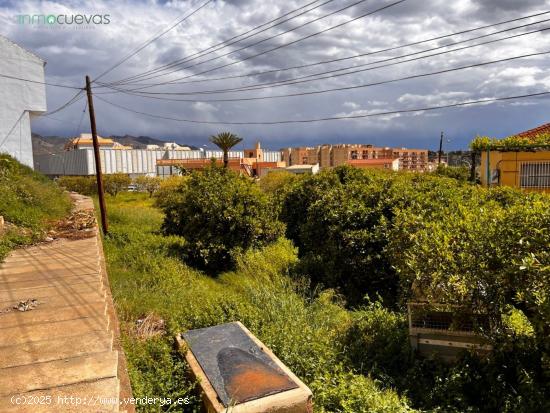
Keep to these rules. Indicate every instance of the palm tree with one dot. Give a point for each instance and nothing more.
(225, 141)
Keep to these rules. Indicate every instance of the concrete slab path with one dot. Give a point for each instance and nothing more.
(59, 337)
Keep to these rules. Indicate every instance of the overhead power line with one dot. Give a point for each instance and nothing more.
(12, 129)
(350, 69)
(79, 95)
(81, 118)
(285, 44)
(334, 73)
(258, 73)
(231, 41)
(385, 113)
(148, 42)
(40, 83)
(339, 89)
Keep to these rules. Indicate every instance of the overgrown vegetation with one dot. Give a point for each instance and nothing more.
(85, 185)
(460, 173)
(149, 184)
(113, 184)
(220, 215)
(330, 298)
(29, 203)
(307, 331)
(116, 183)
(481, 143)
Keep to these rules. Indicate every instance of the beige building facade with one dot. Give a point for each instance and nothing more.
(330, 156)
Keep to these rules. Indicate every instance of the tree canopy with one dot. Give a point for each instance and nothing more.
(220, 214)
(225, 141)
(481, 143)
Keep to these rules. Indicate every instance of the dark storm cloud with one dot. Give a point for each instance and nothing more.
(71, 54)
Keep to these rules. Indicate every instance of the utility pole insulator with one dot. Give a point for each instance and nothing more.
(98, 174)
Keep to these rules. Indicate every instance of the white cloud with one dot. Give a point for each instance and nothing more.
(204, 107)
(443, 98)
(351, 105)
(518, 76)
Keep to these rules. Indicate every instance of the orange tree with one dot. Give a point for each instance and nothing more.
(219, 214)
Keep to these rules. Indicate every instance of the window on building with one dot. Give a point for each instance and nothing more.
(353, 155)
(535, 175)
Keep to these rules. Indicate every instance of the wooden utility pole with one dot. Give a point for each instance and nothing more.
(440, 153)
(98, 174)
(473, 167)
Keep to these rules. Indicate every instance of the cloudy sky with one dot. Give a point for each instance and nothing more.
(73, 51)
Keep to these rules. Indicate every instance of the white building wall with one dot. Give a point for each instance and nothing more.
(19, 100)
(272, 156)
(128, 161)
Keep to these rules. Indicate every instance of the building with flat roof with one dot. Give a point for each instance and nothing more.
(303, 169)
(20, 100)
(251, 162)
(359, 155)
(389, 164)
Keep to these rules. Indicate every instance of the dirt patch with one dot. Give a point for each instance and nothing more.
(149, 326)
(78, 225)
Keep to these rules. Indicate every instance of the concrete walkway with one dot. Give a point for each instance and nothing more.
(65, 342)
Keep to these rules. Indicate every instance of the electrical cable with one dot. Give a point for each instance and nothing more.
(314, 76)
(228, 42)
(386, 113)
(284, 44)
(40, 83)
(71, 101)
(258, 73)
(339, 89)
(148, 42)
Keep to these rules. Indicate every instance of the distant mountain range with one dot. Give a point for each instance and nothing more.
(42, 145)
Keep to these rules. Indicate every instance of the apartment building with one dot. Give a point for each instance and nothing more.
(295, 156)
(359, 155)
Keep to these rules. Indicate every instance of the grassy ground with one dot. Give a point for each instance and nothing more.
(158, 296)
(29, 202)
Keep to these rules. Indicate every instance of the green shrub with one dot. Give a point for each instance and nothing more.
(85, 185)
(149, 184)
(339, 220)
(115, 183)
(510, 380)
(220, 214)
(460, 173)
(345, 392)
(378, 342)
(277, 180)
(171, 191)
(156, 370)
(483, 254)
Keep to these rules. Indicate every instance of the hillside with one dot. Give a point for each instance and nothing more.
(43, 145)
(138, 142)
